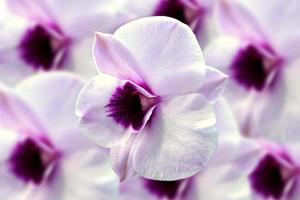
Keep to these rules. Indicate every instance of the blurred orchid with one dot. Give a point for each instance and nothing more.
(259, 51)
(43, 155)
(152, 100)
(42, 35)
(257, 170)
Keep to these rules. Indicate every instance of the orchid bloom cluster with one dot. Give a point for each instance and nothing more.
(154, 100)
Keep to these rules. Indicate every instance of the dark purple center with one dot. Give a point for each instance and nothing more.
(171, 8)
(126, 108)
(267, 178)
(163, 189)
(28, 161)
(37, 48)
(248, 68)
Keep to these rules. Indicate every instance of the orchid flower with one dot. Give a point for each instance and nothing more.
(258, 50)
(151, 103)
(43, 154)
(43, 35)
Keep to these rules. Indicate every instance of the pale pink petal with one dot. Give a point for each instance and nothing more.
(214, 84)
(36, 10)
(52, 96)
(113, 58)
(121, 158)
(16, 115)
(169, 58)
(88, 175)
(235, 19)
(93, 119)
(178, 141)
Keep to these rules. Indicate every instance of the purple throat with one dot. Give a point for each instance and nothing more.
(163, 189)
(30, 161)
(270, 178)
(171, 8)
(128, 107)
(40, 49)
(251, 68)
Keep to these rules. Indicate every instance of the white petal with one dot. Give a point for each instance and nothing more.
(88, 175)
(121, 158)
(93, 119)
(167, 52)
(179, 140)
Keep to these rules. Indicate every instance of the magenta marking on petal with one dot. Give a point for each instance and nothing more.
(248, 68)
(39, 48)
(163, 189)
(128, 106)
(270, 177)
(171, 8)
(29, 161)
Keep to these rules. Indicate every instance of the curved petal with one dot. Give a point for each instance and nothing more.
(93, 119)
(16, 115)
(36, 10)
(168, 55)
(82, 60)
(235, 19)
(179, 140)
(112, 58)
(88, 175)
(121, 158)
(214, 84)
(52, 96)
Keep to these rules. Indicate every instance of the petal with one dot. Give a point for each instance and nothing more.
(214, 84)
(93, 119)
(169, 58)
(91, 178)
(121, 158)
(36, 10)
(82, 60)
(16, 115)
(112, 58)
(236, 20)
(179, 140)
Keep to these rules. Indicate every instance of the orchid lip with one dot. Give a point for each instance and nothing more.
(32, 160)
(41, 46)
(129, 105)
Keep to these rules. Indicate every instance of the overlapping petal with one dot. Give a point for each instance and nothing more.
(179, 140)
(169, 59)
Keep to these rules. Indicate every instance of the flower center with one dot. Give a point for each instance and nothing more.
(171, 8)
(163, 189)
(29, 161)
(128, 106)
(251, 68)
(40, 48)
(270, 177)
